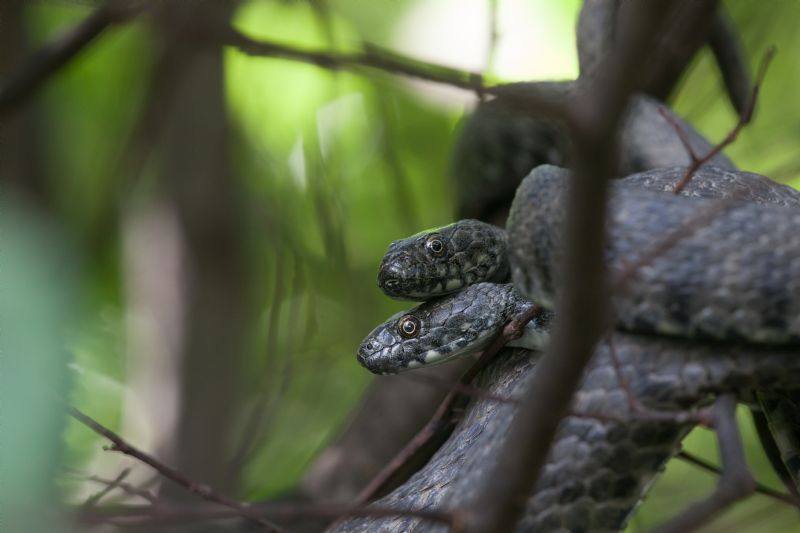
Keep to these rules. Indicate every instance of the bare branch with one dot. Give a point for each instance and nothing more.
(760, 488)
(110, 485)
(140, 515)
(736, 481)
(204, 491)
(373, 57)
(744, 120)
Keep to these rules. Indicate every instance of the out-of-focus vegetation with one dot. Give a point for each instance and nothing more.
(333, 166)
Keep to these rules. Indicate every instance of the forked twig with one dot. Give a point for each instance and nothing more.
(110, 485)
(744, 120)
(143, 514)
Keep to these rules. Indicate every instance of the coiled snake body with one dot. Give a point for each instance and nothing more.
(598, 470)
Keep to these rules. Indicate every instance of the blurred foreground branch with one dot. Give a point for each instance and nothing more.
(598, 111)
(52, 56)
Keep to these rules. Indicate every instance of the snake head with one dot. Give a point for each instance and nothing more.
(440, 329)
(444, 260)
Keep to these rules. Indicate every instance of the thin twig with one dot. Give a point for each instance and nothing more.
(373, 57)
(110, 485)
(736, 481)
(744, 120)
(176, 512)
(672, 119)
(125, 487)
(511, 331)
(528, 100)
(701, 463)
(204, 491)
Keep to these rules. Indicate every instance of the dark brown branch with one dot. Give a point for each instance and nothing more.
(373, 57)
(140, 514)
(597, 112)
(376, 58)
(22, 84)
(736, 481)
(744, 120)
(760, 488)
(204, 491)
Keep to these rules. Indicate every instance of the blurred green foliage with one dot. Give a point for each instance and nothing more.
(335, 165)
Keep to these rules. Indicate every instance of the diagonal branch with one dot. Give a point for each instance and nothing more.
(204, 491)
(736, 481)
(23, 83)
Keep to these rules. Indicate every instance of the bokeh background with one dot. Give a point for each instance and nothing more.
(191, 258)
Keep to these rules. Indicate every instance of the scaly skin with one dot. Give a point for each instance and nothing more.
(446, 328)
(475, 251)
(444, 260)
(709, 183)
(736, 278)
(599, 466)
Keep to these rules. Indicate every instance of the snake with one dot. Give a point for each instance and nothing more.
(752, 295)
(456, 323)
(597, 471)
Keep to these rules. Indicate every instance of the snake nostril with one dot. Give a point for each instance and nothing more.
(369, 346)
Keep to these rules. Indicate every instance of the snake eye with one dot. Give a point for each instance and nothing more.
(408, 326)
(435, 246)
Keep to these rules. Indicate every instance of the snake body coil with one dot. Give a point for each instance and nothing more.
(735, 278)
(597, 488)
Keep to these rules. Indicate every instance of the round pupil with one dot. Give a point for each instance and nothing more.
(409, 327)
(435, 246)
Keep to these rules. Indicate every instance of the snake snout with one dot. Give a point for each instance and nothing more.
(392, 276)
(369, 356)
